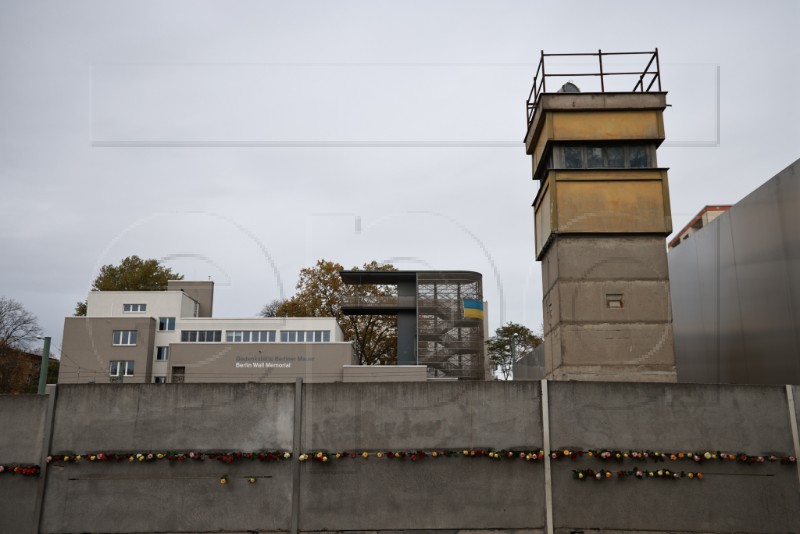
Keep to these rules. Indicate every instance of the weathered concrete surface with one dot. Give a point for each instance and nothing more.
(586, 338)
(442, 493)
(421, 415)
(178, 417)
(384, 373)
(449, 495)
(670, 417)
(22, 428)
(123, 497)
(22, 420)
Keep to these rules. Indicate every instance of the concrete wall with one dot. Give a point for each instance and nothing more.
(384, 373)
(22, 436)
(450, 494)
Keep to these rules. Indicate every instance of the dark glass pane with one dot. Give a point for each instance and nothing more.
(594, 157)
(615, 156)
(573, 157)
(133, 338)
(637, 155)
(114, 370)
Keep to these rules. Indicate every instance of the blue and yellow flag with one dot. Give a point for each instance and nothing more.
(473, 309)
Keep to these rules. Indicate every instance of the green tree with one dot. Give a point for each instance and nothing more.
(510, 343)
(321, 292)
(132, 274)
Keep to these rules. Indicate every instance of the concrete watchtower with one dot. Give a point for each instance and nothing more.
(601, 216)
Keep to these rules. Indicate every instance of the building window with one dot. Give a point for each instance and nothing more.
(594, 157)
(178, 375)
(305, 336)
(160, 380)
(121, 368)
(250, 336)
(201, 336)
(607, 156)
(573, 157)
(124, 337)
(134, 308)
(637, 156)
(162, 354)
(615, 156)
(166, 324)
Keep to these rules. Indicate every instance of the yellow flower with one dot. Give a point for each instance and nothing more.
(160, 456)
(379, 455)
(319, 455)
(365, 454)
(78, 457)
(466, 452)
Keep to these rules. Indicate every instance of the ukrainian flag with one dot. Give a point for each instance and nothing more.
(473, 309)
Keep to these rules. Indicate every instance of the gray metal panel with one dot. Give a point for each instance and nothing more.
(736, 290)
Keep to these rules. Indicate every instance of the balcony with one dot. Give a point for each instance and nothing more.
(378, 305)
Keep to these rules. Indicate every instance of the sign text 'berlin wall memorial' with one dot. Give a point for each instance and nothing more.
(269, 362)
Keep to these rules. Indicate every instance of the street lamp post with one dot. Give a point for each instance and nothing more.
(43, 366)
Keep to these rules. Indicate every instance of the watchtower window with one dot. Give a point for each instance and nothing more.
(603, 157)
(573, 157)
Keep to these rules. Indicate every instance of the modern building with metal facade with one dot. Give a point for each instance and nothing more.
(736, 290)
(441, 321)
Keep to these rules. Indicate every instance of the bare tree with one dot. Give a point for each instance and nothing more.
(271, 309)
(18, 326)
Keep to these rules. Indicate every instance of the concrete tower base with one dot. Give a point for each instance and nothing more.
(607, 312)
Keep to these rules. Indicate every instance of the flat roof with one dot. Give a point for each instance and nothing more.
(396, 277)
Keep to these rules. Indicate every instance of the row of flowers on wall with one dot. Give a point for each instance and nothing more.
(414, 455)
(420, 454)
(20, 469)
(656, 456)
(661, 474)
(171, 456)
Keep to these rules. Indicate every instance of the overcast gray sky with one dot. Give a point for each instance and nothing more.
(243, 140)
